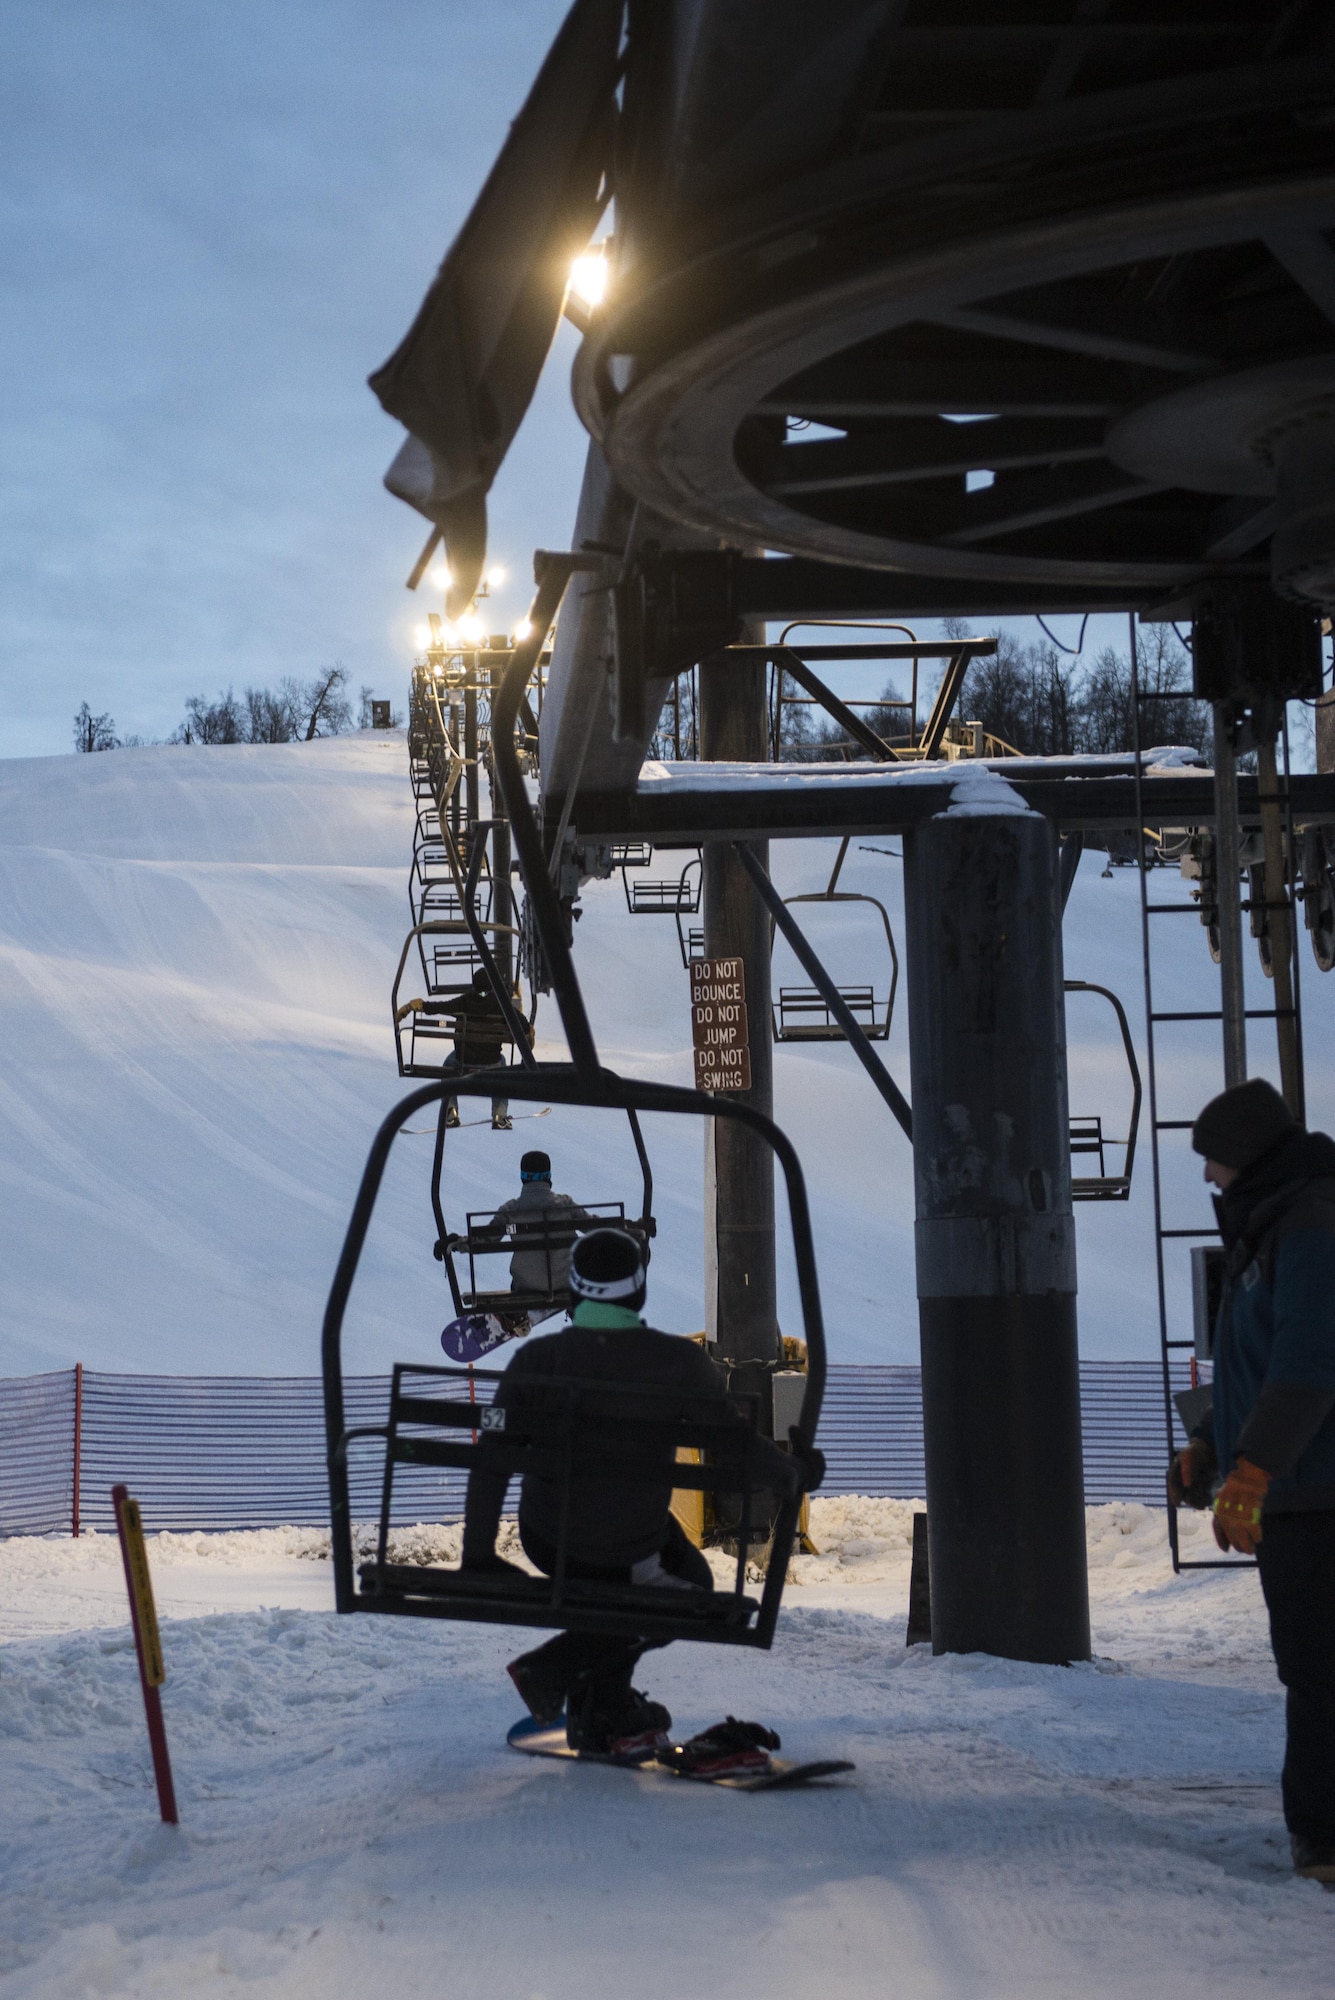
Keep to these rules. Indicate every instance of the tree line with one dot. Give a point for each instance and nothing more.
(296, 711)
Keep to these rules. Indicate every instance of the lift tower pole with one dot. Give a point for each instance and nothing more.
(743, 1308)
(995, 1238)
(1232, 992)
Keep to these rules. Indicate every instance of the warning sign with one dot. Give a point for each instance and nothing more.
(718, 1024)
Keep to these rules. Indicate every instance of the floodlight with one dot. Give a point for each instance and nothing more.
(588, 277)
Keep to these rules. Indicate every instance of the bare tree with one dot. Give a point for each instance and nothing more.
(220, 721)
(94, 732)
(326, 711)
(272, 717)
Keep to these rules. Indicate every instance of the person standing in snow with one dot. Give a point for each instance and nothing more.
(543, 1225)
(616, 1533)
(1270, 1434)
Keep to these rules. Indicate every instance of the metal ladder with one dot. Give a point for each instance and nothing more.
(1171, 1345)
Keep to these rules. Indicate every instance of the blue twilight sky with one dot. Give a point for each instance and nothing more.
(216, 217)
(215, 220)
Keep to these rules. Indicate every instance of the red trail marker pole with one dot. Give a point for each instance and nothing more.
(147, 1642)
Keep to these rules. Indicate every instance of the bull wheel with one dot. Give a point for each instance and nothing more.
(1090, 348)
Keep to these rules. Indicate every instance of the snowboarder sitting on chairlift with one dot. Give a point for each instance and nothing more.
(616, 1533)
(544, 1225)
(480, 1034)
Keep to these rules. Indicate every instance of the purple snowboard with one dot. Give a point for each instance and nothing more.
(474, 1335)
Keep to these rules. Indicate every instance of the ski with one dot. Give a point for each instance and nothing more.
(548, 1739)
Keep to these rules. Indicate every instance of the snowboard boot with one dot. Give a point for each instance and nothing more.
(620, 1723)
(541, 1683)
(729, 1749)
(1313, 1859)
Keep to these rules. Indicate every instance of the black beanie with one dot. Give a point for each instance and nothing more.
(1241, 1124)
(535, 1163)
(607, 1268)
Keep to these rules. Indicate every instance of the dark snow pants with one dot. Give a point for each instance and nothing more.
(1297, 1562)
(603, 1658)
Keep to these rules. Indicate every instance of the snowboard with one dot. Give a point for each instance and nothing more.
(476, 1334)
(548, 1739)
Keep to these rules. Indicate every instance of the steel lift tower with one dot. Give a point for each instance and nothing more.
(917, 310)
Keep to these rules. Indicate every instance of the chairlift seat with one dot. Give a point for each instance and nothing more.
(572, 1429)
(633, 1610)
(802, 1015)
(663, 897)
(1087, 1136)
(692, 943)
(547, 1232)
(429, 1028)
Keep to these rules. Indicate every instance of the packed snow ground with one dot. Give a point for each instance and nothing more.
(352, 1822)
(196, 950)
(195, 953)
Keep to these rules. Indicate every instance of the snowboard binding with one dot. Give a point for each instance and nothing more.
(729, 1749)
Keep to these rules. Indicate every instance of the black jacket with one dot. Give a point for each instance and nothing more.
(480, 1029)
(1274, 1353)
(611, 1525)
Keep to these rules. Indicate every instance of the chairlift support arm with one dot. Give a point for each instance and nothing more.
(514, 1021)
(828, 991)
(553, 572)
(791, 663)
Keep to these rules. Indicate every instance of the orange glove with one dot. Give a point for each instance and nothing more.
(1237, 1508)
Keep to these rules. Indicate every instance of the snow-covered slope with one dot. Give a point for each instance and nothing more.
(196, 949)
(352, 1822)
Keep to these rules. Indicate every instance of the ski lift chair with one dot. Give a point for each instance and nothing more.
(582, 1430)
(690, 942)
(547, 1234)
(434, 887)
(666, 895)
(801, 1014)
(428, 833)
(423, 1029)
(1318, 892)
(1087, 1134)
(446, 947)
